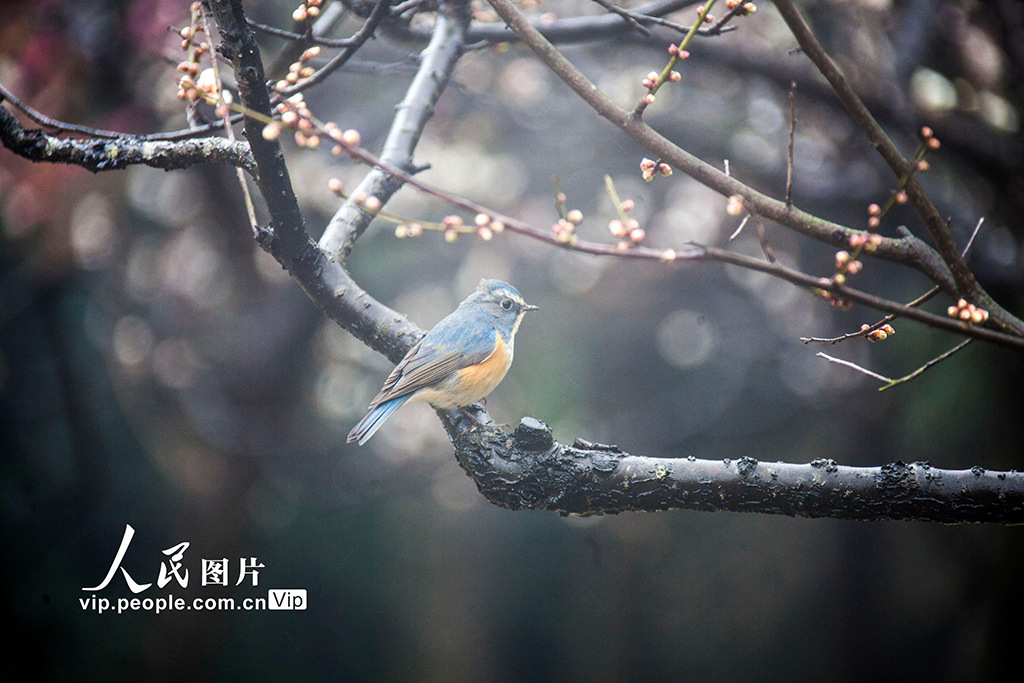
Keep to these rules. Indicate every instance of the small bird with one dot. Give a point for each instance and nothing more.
(459, 362)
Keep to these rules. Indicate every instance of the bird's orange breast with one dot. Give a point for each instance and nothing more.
(472, 383)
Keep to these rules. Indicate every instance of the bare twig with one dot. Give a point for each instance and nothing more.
(561, 31)
(630, 18)
(225, 100)
(792, 136)
(889, 382)
(762, 237)
(932, 363)
(927, 296)
(854, 366)
(309, 37)
(739, 228)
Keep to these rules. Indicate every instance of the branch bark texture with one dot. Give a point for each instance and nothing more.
(529, 470)
(119, 153)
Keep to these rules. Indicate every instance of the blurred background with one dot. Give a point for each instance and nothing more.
(159, 370)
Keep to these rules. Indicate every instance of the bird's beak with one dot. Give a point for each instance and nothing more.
(530, 307)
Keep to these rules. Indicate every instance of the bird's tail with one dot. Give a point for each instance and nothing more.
(374, 419)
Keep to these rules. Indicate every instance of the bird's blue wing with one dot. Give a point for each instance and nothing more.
(456, 342)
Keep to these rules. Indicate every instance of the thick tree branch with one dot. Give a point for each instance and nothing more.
(416, 109)
(111, 154)
(322, 278)
(528, 469)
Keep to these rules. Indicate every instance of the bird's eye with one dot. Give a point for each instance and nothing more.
(506, 304)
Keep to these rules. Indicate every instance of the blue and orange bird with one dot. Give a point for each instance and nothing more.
(459, 362)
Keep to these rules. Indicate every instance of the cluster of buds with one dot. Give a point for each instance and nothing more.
(881, 333)
(845, 264)
(649, 168)
(869, 242)
(677, 53)
(710, 18)
(742, 8)
(452, 226)
(652, 80)
(565, 228)
(834, 300)
(295, 115)
(486, 227)
(308, 10)
(349, 138)
(403, 230)
(874, 216)
(299, 70)
(928, 136)
(628, 232)
(967, 312)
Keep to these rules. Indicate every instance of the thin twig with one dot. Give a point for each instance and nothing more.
(927, 296)
(933, 362)
(739, 228)
(792, 136)
(307, 37)
(850, 364)
(250, 209)
(762, 237)
(630, 18)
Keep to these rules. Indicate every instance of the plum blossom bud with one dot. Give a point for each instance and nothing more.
(272, 131)
(351, 137)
